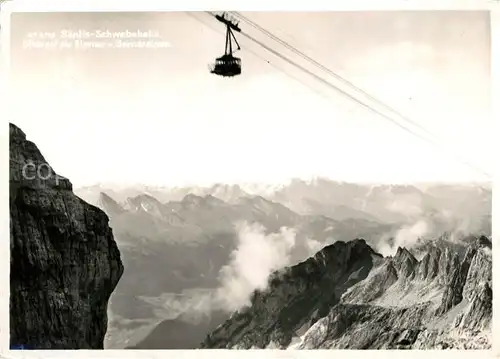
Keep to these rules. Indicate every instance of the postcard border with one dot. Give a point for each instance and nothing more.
(251, 5)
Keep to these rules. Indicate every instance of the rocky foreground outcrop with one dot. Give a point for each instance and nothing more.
(64, 261)
(349, 297)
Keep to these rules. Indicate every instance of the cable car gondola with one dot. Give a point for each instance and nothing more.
(228, 65)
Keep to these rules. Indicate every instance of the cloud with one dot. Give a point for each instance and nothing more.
(407, 236)
(443, 224)
(257, 256)
(410, 206)
(450, 213)
(313, 246)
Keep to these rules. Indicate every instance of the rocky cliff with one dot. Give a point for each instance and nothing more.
(349, 297)
(64, 261)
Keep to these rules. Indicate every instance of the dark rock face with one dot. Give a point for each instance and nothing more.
(405, 263)
(297, 297)
(454, 288)
(64, 261)
(367, 327)
(349, 297)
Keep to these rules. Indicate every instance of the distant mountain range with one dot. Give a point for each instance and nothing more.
(176, 241)
(337, 200)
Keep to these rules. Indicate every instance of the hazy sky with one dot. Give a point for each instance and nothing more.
(160, 117)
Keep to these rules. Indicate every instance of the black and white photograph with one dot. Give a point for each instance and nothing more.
(250, 180)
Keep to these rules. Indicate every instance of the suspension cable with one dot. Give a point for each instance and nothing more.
(363, 104)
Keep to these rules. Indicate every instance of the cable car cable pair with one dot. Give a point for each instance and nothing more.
(227, 66)
(329, 71)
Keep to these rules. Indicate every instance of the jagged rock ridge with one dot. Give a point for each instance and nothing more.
(297, 297)
(349, 297)
(64, 261)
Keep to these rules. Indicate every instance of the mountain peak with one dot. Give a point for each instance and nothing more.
(35, 172)
(15, 133)
(210, 199)
(405, 262)
(106, 197)
(145, 197)
(305, 292)
(192, 200)
(404, 254)
(355, 247)
(108, 204)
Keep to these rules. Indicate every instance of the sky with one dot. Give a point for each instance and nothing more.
(159, 117)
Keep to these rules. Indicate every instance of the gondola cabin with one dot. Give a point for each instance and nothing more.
(228, 65)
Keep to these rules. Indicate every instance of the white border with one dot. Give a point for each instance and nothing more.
(495, 83)
(247, 5)
(242, 5)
